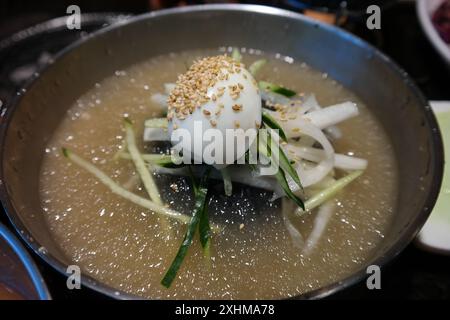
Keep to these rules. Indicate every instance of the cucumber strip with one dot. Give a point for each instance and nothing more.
(256, 66)
(200, 201)
(264, 85)
(328, 193)
(117, 189)
(272, 123)
(162, 160)
(144, 172)
(141, 167)
(204, 227)
(236, 55)
(283, 161)
(281, 178)
(284, 164)
(205, 230)
(205, 236)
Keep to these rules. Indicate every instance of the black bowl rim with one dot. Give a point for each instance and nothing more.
(409, 233)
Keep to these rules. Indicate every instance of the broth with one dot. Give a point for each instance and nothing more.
(123, 246)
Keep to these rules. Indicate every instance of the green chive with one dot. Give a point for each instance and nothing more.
(277, 89)
(281, 178)
(284, 164)
(200, 192)
(271, 123)
(205, 231)
(282, 160)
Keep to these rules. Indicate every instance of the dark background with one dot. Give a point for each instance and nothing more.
(414, 274)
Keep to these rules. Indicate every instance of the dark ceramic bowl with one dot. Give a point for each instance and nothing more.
(28, 123)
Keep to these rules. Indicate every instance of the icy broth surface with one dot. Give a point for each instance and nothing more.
(122, 245)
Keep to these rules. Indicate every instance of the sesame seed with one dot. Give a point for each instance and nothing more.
(237, 107)
(191, 88)
(213, 122)
(279, 107)
(206, 112)
(237, 124)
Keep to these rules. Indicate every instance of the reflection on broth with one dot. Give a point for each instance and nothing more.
(123, 245)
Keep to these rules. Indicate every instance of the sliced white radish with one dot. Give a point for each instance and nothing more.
(332, 115)
(320, 224)
(341, 161)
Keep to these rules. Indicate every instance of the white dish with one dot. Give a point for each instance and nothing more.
(425, 10)
(435, 235)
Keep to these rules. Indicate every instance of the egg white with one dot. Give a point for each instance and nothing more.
(225, 118)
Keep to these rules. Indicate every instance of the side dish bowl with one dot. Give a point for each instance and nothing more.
(20, 278)
(425, 11)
